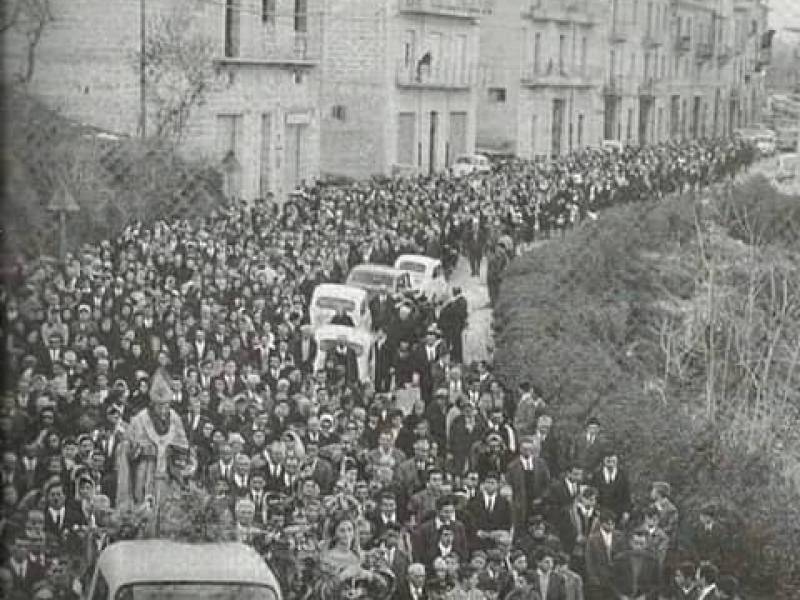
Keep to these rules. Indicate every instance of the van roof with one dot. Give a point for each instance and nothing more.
(339, 290)
(164, 560)
(376, 268)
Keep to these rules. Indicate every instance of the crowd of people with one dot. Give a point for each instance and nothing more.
(163, 384)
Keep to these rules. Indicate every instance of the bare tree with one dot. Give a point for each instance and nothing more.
(28, 19)
(179, 70)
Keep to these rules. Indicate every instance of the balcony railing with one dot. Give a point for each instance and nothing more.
(704, 50)
(683, 43)
(462, 9)
(560, 11)
(451, 77)
(532, 77)
(291, 40)
(648, 87)
(616, 85)
(652, 38)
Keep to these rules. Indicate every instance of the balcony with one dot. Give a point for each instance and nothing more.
(441, 77)
(539, 78)
(460, 9)
(704, 51)
(560, 11)
(616, 85)
(724, 53)
(285, 40)
(649, 87)
(621, 31)
(653, 39)
(683, 43)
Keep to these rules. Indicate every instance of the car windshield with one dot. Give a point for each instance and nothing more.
(463, 160)
(195, 591)
(331, 303)
(372, 278)
(411, 266)
(329, 344)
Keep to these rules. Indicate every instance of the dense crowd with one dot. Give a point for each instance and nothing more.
(166, 384)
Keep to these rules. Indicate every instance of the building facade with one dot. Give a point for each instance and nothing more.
(683, 69)
(542, 69)
(399, 86)
(564, 74)
(259, 120)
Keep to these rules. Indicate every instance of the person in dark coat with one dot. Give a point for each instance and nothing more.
(636, 570)
(489, 512)
(613, 488)
(452, 321)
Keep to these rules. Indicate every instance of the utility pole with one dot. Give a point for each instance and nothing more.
(142, 79)
(62, 203)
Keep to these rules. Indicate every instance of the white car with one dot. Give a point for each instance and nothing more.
(766, 143)
(427, 274)
(329, 297)
(328, 337)
(373, 278)
(467, 164)
(157, 569)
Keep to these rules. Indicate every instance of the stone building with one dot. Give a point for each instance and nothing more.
(399, 87)
(542, 62)
(259, 120)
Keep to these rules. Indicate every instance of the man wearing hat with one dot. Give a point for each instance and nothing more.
(453, 322)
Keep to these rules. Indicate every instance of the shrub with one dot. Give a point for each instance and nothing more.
(684, 339)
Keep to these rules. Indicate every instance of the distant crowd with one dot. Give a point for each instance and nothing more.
(165, 383)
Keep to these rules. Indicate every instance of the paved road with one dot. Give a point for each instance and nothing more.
(478, 343)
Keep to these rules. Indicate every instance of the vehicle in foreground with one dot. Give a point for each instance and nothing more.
(426, 273)
(373, 278)
(328, 298)
(788, 167)
(467, 164)
(167, 570)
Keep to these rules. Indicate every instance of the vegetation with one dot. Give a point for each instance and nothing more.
(115, 180)
(678, 323)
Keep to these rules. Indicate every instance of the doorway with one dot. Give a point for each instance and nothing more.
(433, 142)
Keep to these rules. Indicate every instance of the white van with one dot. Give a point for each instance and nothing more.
(373, 278)
(328, 337)
(167, 570)
(467, 164)
(329, 297)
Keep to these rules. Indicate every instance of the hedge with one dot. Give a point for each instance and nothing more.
(584, 318)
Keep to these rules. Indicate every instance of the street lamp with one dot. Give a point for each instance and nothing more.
(62, 203)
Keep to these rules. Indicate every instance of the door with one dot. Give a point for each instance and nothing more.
(458, 136)
(645, 106)
(608, 118)
(293, 156)
(534, 134)
(432, 150)
(265, 171)
(696, 117)
(406, 123)
(558, 127)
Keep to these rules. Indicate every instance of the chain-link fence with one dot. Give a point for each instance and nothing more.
(113, 179)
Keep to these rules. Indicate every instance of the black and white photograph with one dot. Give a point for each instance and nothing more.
(400, 300)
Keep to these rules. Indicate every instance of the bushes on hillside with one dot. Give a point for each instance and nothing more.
(660, 320)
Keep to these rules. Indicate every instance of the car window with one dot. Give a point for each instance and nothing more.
(437, 272)
(195, 591)
(372, 278)
(463, 160)
(408, 265)
(331, 303)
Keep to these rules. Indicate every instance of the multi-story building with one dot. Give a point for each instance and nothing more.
(259, 121)
(682, 69)
(542, 65)
(399, 86)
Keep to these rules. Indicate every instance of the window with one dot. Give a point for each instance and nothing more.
(268, 11)
(580, 131)
(409, 48)
(497, 95)
(562, 45)
(228, 129)
(537, 52)
(301, 16)
(635, 17)
(339, 112)
(583, 55)
(406, 123)
(231, 28)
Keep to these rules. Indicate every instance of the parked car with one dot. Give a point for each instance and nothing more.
(373, 278)
(427, 274)
(787, 138)
(329, 336)
(167, 570)
(330, 297)
(788, 167)
(766, 143)
(612, 145)
(467, 164)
